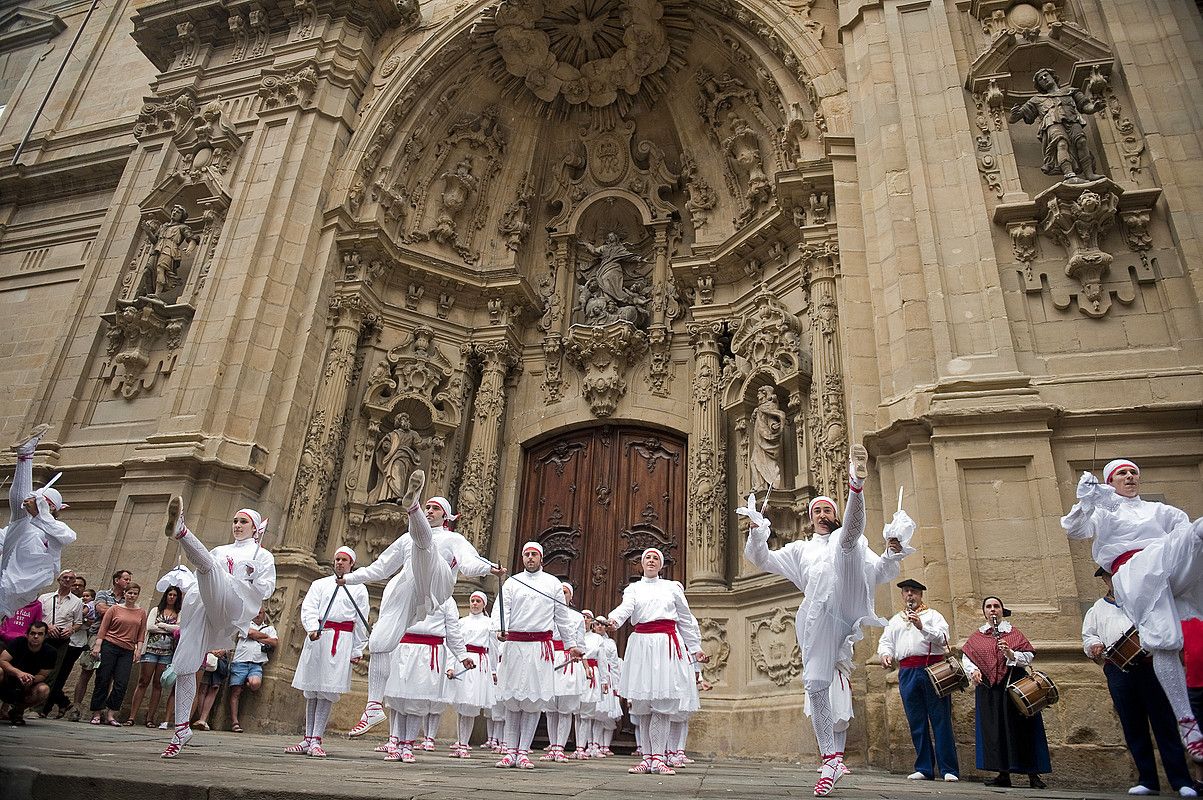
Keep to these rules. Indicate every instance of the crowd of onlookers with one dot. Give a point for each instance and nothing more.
(106, 633)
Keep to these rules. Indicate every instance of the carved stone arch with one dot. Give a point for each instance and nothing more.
(646, 214)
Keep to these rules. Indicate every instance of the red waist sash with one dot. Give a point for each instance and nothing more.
(482, 652)
(432, 642)
(533, 636)
(919, 661)
(665, 626)
(1122, 559)
(592, 673)
(339, 629)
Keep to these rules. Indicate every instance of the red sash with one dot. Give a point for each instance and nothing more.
(558, 647)
(592, 662)
(533, 636)
(432, 642)
(919, 661)
(339, 629)
(666, 626)
(481, 651)
(1122, 559)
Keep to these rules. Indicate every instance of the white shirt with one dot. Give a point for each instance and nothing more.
(1023, 658)
(1132, 525)
(457, 551)
(529, 611)
(444, 621)
(65, 612)
(252, 650)
(1105, 623)
(902, 640)
(650, 599)
(229, 556)
(478, 630)
(317, 600)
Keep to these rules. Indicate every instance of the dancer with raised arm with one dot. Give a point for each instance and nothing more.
(232, 582)
(1155, 557)
(336, 633)
(837, 573)
(34, 539)
(657, 673)
(422, 566)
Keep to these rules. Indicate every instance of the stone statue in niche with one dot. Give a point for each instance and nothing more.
(615, 286)
(743, 149)
(1058, 111)
(458, 184)
(768, 429)
(396, 457)
(170, 241)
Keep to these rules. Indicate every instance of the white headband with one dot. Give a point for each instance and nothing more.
(256, 519)
(348, 552)
(484, 598)
(445, 504)
(1112, 466)
(655, 550)
(538, 548)
(821, 499)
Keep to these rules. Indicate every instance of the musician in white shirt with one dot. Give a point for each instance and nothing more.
(915, 639)
(1139, 700)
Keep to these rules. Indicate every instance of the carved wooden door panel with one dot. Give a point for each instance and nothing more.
(595, 498)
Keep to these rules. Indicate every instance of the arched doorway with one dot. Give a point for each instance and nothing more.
(595, 498)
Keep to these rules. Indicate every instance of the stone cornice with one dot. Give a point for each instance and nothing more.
(96, 170)
(36, 26)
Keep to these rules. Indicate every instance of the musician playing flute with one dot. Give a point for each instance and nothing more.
(335, 635)
(914, 639)
(836, 571)
(1138, 699)
(1006, 741)
(1155, 556)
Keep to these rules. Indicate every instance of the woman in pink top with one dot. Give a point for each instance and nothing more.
(118, 643)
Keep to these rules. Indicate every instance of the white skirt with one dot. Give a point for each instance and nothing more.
(1160, 586)
(318, 672)
(525, 680)
(413, 687)
(654, 679)
(474, 691)
(591, 693)
(570, 683)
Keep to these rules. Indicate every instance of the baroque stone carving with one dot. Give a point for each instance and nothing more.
(775, 651)
(1058, 111)
(458, 184)
(398, 453)
(768, 340)
(416, 371)
(714, 645)
(141, 331)
(767, 425)
(614, 287)
(189, 45)
(304, 19)
(602, 353)
(702, 198)
(169, 242)
(281, 88)
(742, 148)
(514, 224)
(1077, 217)
(1131, 143)
(659, 370)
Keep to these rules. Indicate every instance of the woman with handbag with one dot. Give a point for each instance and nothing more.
(162, 628)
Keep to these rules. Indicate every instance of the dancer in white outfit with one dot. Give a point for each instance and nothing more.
(232, 582)
(336, 634)
(525, 674)
(422, 565)
(570, 684)
(610, 709)
(1155, 556)
(417, 686)
(657, 676)
(34, 539)
(591, 693)
(837, 572)
(472, 692)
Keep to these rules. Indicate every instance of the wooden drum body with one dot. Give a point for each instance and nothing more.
(947, 676)
(1033, 693)
(1126, 652)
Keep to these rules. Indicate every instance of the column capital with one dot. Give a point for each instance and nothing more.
(704, 335)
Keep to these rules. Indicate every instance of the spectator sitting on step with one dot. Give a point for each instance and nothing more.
(26, 664)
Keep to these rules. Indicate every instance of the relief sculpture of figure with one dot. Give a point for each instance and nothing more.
(768, 427)
(169, 242)
(615, 289)
(1058, 111)
(396, 457)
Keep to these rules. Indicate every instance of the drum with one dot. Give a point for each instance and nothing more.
(1126, 652)
(947, 676)
(1033, 693)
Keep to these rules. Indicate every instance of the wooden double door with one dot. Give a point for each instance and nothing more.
(596, 498)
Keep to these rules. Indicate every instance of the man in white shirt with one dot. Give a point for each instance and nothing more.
(250, 655)
(64, 613)
(1139, 700)
(913, 640)
(525, 676)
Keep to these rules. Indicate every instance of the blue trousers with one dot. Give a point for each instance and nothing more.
(922, 707)
(1141, 704)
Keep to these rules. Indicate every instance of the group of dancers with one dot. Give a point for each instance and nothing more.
(535, 654)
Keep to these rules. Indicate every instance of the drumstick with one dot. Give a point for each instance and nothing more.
(767, 491)
(1094, 458)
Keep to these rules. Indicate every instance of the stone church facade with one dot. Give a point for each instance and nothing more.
(601, 268)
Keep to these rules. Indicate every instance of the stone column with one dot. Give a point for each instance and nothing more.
(707, 540)
(826, 417)
(478, 483)
(326, 435)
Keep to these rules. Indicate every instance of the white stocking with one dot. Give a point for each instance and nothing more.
(1172, 677)
(321, 716)
(676, 736)
(607, 736)
(185, 694)
(530, 721)
(584, 733)
(553, 725)
(563, 726)
(657, 732)
(413, 723)
(513, 730)
(822, 719)
(464, 729)
(396, 725)
(196, 553)
(310, 711)
(432, 724)
(841, 737)
(377, 676)
(641, 734)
